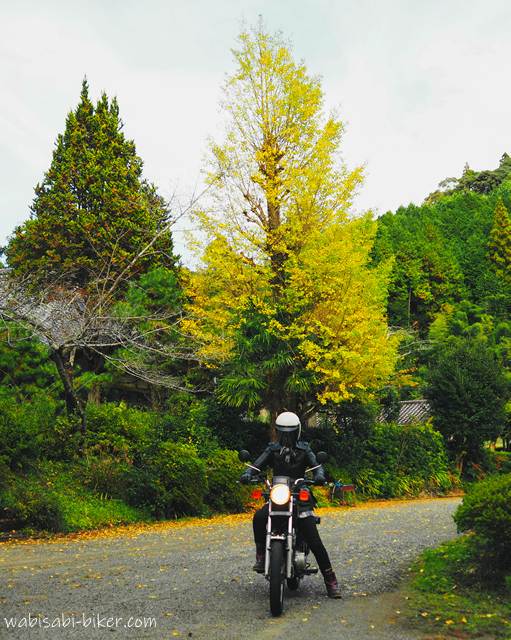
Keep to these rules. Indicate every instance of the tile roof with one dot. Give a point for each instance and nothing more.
(410, 411)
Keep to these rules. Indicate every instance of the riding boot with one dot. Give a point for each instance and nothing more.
(260, 556)
(331, 584)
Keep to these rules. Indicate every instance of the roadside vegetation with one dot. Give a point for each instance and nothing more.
(463, 588)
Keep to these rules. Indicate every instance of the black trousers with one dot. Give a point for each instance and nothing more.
(306, 526)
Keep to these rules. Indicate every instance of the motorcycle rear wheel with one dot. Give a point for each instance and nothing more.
(277, 577)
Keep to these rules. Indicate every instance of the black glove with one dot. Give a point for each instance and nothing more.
(245, 478)
(320, 479)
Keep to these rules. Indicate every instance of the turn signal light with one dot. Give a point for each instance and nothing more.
(257, 494)
(304, 495)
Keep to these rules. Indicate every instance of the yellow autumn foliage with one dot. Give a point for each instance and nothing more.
(278, 234)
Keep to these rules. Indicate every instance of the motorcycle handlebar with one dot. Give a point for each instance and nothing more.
(306, 481)
(310, 482)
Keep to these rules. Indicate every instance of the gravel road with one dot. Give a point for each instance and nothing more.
(195, 580)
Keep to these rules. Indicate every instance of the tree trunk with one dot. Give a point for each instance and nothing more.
(409, 306)
(94, 395)
(274, 249)
(274, 407)
(156, 398)
(95, 363)
(278, 256)
(73, 402)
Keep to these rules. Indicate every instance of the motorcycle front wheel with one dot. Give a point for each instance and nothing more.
(277, 577)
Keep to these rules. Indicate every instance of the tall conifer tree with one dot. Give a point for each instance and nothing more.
(500, 242)
(93, 212)
(96, 227)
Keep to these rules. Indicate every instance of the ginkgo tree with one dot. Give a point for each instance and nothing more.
(285, 304)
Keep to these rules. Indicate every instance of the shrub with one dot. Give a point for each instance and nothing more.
(383, 460)
(402, 460)
(188, 421)
(502, 461)
(119, 431)
(25, 429)
(65, 439)
(6, 474)
(345, 433)
(223, 470)
(475, 471)
(413, 449)
(236, 430)
(172, 483)
(333, 473)
(105, 475)
(52, 499)
(486, 510)
(369, 484)
(86, 510)
(30, 503)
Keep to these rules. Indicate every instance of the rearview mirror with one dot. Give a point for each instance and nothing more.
(321, 457)
(244, 455)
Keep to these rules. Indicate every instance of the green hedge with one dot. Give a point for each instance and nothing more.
(171, 482)
(169, 465)
(51, 498)
(391, 460)
(25, 429)
(225, 494)
(403, 460)
(120, 431)
(28, 503)
(486, 511)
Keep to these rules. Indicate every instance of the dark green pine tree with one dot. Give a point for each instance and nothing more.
(504, 169)
(500, 242)
(93, 213)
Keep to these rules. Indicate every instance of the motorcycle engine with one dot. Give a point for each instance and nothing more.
(300, 562)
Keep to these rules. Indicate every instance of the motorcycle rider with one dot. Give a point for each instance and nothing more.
(290, 456)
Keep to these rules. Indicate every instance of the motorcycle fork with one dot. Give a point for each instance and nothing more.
(288, 538)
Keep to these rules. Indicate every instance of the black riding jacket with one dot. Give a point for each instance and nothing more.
(290, 462)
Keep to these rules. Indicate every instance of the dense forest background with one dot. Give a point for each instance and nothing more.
(128, 381)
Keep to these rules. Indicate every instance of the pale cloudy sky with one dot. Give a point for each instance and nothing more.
(423, 85)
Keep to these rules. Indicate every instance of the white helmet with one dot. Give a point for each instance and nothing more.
(288, 427)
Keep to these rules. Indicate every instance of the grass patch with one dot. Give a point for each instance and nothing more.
(54, 500)
(446, 597)
(84, 510)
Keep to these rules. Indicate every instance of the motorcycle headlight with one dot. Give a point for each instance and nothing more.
(280, 494)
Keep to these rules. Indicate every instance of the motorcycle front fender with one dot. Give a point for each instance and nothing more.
(288, 538)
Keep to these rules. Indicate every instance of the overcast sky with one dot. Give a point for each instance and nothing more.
(423, 85)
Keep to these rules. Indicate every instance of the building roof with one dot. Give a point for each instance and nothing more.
(409, 411)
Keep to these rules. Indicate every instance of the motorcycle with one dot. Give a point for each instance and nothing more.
(286, 554)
